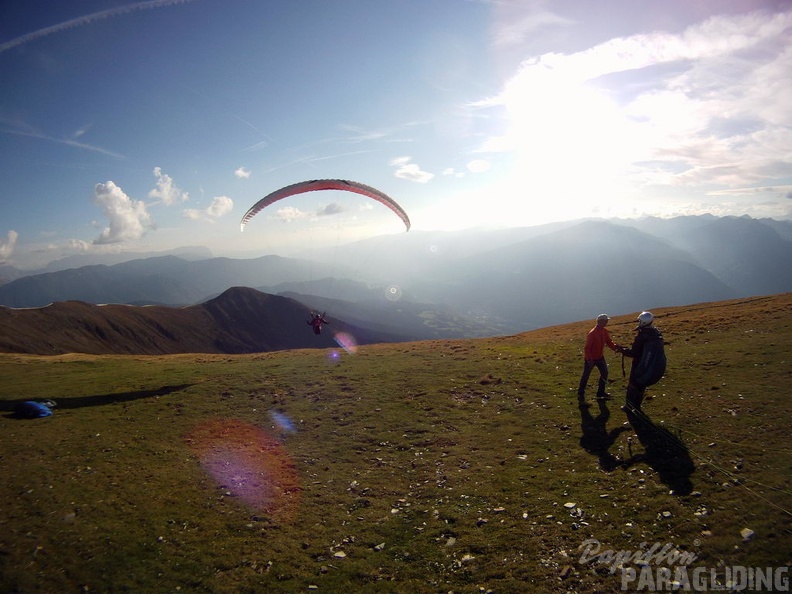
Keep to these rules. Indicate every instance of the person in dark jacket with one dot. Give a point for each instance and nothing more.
(646, 331)
(316, 322)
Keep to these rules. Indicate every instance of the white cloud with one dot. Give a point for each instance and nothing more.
(701, 109)
(331, 209)
(242, 173)
(288, 214)
(165, 191)
(127, 219)
(78, 245)
(451, 172)
(80, 131)
(410, 171)
(220, 206)
(7, 247)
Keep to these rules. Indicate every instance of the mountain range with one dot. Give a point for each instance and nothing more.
(240, 320)
(422, 285)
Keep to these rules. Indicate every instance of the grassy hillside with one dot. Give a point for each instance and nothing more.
(436, 466)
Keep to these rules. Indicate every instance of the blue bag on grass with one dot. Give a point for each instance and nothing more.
(31, 409)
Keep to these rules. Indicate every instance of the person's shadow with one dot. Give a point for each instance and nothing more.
(596, 438)
(62, 402)
(663, 451)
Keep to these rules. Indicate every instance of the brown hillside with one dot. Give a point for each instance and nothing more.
(240, 320)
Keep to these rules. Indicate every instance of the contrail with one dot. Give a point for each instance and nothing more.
(67, 142)
(84, 20)
(267, 138)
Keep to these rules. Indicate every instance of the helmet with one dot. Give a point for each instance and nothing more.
(603, 317)
(645, 319)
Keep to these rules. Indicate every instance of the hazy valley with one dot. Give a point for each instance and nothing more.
(423, 285)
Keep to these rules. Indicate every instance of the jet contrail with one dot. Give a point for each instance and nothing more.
(84, 20)
(67, 142)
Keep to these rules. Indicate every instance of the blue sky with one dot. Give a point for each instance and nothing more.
(145, 126)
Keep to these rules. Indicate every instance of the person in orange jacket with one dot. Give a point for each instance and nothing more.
(593, 356)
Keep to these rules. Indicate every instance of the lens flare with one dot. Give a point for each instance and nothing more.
(282, 422)
(346, 341)
(393, 293)
(249, 464)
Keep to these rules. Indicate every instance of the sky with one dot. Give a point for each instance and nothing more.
(146, 126)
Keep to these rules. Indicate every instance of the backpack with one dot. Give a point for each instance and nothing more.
(32, 410)
(652, 364)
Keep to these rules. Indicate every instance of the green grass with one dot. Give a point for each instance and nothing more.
(433, 466)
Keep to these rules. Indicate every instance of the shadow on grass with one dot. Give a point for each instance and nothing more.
(99, 399)
(596, 438)
(664, 452)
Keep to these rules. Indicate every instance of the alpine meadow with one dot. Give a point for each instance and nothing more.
(395, 296)
(429, 466)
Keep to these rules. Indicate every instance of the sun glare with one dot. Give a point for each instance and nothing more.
(572, 144)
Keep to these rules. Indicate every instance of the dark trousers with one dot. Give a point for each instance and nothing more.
(635, 395)
(588, 366)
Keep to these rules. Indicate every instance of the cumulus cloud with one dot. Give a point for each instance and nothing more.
(242, 173)
(7, 247)
(127, 219)
(166, 191)
(329, 210)
(405, 169)
(289, 214)
(78, 245)
(220, 206)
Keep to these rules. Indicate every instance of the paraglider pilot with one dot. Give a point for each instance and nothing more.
(636, 389)
(316, 322)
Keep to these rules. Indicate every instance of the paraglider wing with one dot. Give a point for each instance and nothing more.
(325, 184)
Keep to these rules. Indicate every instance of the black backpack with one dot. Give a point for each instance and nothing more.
(652, 365)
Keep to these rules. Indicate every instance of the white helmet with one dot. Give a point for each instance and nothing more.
(603, 317)
(645, 319)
